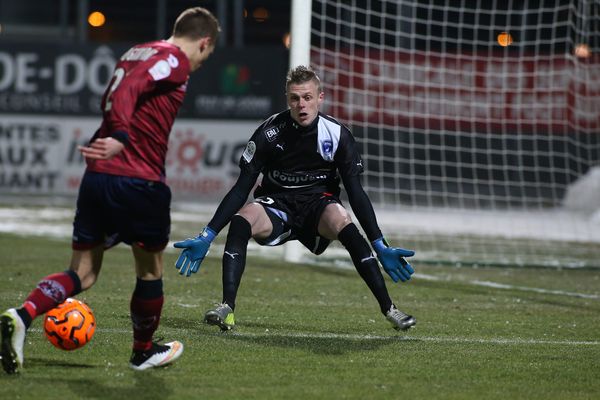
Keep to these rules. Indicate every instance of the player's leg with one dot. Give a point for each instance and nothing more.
(144, 222)
(146, 309)
(147, 298)
(335, 222)
(53, 289)
(48, 293)
(251, 221)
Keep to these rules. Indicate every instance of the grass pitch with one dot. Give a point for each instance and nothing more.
(306, 332)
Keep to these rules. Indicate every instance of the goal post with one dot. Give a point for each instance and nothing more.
(300, 32)
(299, 55)
(474, 119)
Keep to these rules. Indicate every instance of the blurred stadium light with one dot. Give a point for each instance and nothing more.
(244, 22)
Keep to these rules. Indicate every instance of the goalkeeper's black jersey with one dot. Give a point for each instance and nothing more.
(294, 159)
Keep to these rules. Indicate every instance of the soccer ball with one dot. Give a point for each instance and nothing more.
(70, 325)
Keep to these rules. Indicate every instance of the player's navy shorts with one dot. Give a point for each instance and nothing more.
(296, 217)
(113, 209)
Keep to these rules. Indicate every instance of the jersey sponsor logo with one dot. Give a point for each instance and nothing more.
(160, 70)
(249, 151)
(291, 180)
(280, 146)
(173, 61)
(271, 134)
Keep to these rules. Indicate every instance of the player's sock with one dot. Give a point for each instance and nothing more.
(50, 292)
(25, 317)
(146, 307)
(366, 264)
(234, 257)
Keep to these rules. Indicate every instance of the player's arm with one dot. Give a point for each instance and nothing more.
(392, 258)
(196, 248)
(233, 200)
(362, 206)
(102, 148)
(350, 167)
(251, 164)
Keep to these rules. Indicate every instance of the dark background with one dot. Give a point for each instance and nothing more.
(251, 59)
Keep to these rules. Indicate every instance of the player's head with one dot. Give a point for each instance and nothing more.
(304, 94)
(196, 31)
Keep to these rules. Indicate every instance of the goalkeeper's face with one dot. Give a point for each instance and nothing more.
(304, 100)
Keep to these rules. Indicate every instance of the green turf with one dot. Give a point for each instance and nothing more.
(306, 332)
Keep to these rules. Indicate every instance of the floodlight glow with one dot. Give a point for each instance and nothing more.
(260, 14)
(286, 40)
(504, 39)
(582, 50)
(96, 19)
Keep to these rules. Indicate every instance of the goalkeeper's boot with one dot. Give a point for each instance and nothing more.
(222, 316)
(399, 320)
(13, 332)
(156, 356)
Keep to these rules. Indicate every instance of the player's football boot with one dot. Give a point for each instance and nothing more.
(399, 320)
(13, 332)
(222, 316)
(157, 356)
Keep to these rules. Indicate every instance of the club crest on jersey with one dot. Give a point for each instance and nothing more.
(327, 147)
(271, 134)
(173, 61)
(249, 151)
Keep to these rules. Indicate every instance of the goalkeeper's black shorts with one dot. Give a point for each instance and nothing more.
(296, 217)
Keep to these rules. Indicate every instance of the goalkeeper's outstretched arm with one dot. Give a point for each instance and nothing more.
(233, 200)
(362, 207)
(196, 248)
(391, 258)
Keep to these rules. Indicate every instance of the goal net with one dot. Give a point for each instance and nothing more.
(478, 121)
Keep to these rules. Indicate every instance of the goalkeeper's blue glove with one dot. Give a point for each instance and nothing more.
(194, 251)
(392, 260)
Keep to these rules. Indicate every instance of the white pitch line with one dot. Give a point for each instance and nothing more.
(517, 341)
(497, 285)
(534, 289)
(357, 337)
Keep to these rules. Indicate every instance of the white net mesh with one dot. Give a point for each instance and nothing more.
(471, 112)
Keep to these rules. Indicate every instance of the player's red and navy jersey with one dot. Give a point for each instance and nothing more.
(142, 100)
(304, 159)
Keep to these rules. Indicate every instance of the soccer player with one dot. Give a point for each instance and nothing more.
(123, 195)
(302, 154)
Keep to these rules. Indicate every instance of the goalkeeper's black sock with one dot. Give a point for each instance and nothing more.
(234, 257)
(366, 264)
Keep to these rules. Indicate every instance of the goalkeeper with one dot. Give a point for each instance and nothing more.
(302, 155)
